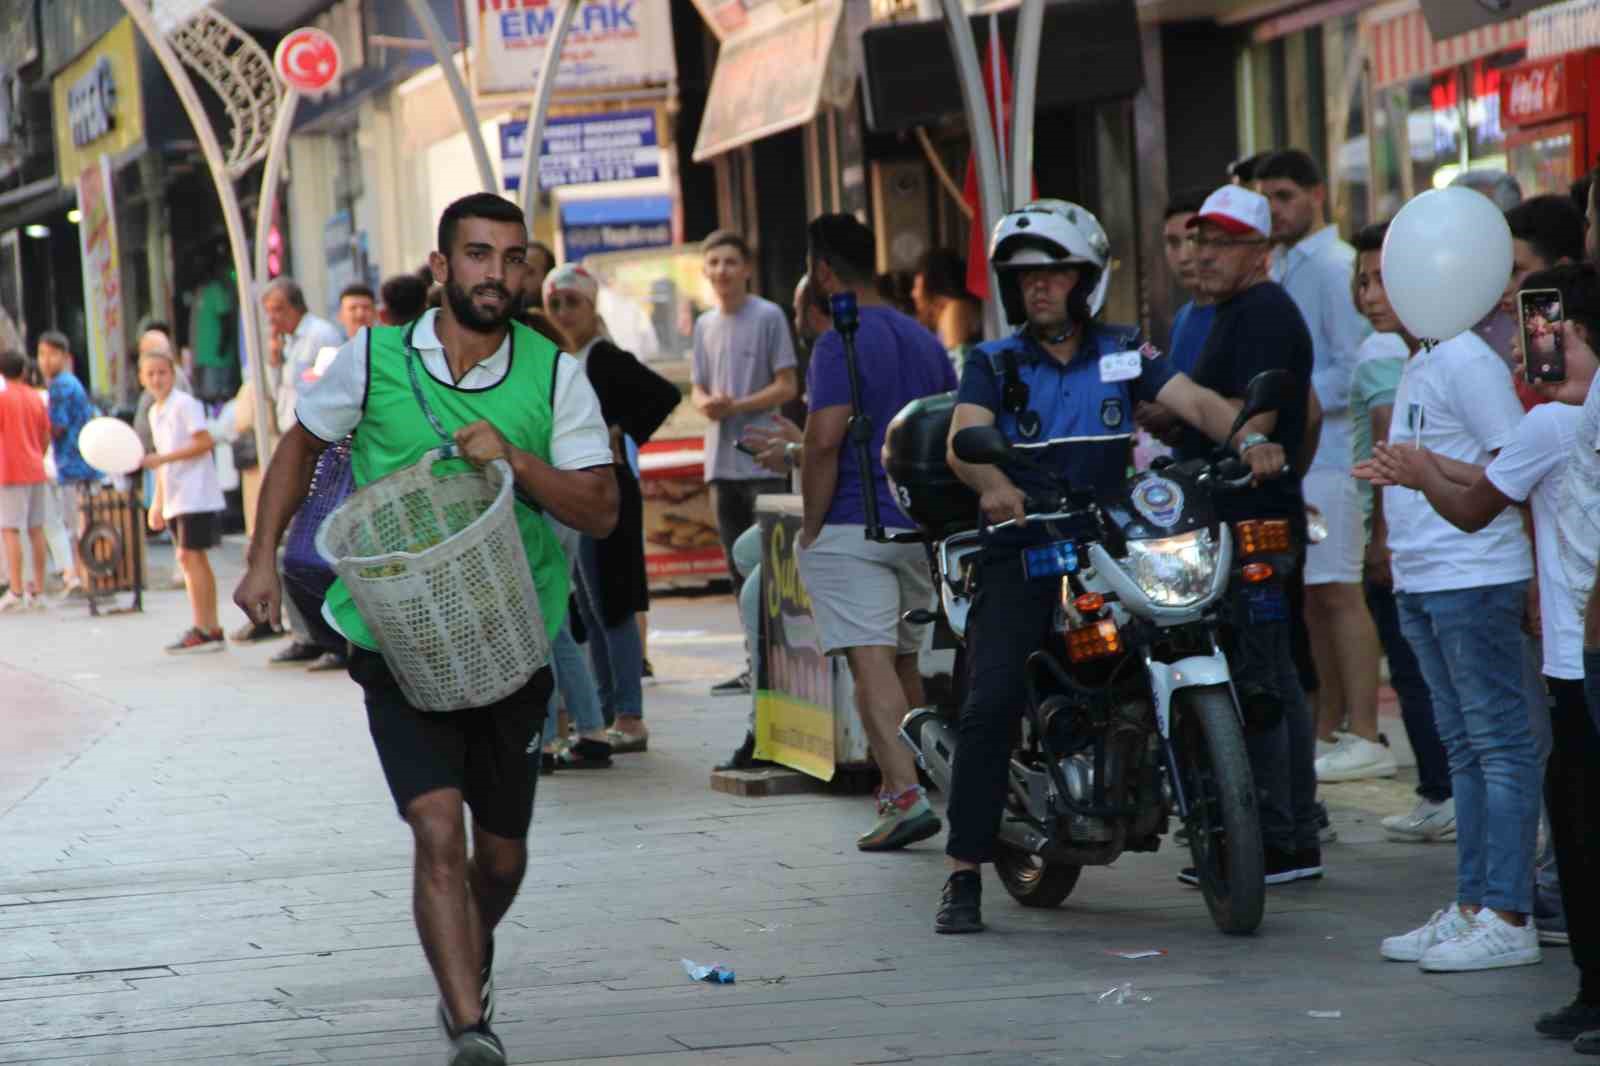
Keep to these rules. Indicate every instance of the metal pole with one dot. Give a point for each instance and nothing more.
(232, 217)
(1030, 31)
(267, 209)
(1000, 131)
(990, 185)
(542, 92)
(458, 89)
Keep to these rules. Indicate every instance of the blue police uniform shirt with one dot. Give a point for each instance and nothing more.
(1072, 400)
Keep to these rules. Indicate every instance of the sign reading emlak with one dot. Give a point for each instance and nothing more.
(612, 43)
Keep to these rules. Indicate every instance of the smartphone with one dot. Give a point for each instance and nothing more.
(1540, 313)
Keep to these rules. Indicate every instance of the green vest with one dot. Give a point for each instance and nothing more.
(394, 434)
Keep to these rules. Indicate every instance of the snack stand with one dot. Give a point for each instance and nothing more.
(681, 547)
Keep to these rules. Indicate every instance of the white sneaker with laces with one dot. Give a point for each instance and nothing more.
(1356, 758)
(12, 602)
(1427, 822)
(1491, 944)
(1327, 747)
(1445, 925)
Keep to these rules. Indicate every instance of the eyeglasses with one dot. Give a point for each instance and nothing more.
(1226, 242)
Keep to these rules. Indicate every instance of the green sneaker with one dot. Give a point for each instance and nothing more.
(896, 826)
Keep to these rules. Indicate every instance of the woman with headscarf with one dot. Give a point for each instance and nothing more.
(612, 586)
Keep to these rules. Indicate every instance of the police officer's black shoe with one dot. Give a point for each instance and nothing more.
(961, 907)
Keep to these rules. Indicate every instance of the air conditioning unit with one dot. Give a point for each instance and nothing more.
(902, 209)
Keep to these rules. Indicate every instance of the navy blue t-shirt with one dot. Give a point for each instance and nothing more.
(1072, 400)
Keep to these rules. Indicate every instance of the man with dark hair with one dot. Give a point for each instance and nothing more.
(1192, 322)
(743, 367)
(357, 308)
(1242, 171)
(24, 437)
(546, 424)
(1314, 266)
(1546, 231)
(860, 590)
(213, 333)
(943, 304)
(70, 411)
(405, 296)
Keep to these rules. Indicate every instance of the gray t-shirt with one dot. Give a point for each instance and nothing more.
(739, 354)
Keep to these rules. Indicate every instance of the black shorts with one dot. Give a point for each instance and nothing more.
(481, 752)
(196, 532)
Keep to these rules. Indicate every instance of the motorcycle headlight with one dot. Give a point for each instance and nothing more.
(1174, 571)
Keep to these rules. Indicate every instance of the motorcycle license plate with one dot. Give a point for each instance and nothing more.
(1050, 560)
(1266, 603)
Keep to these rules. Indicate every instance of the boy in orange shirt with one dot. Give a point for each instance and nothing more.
(24, 436)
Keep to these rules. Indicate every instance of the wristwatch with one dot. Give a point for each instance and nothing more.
(1251, 440)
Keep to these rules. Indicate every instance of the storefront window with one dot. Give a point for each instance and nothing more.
(1486, 146)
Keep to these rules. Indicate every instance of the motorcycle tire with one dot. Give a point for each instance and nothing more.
(1032, 881)
(1224, 824)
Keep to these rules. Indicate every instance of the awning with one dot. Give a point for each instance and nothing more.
(768, 79)
(1563, 28)
(1402, 47)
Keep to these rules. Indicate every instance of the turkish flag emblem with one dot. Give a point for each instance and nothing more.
(307, 60)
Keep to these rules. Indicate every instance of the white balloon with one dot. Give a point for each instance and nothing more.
(1446, 261)
(110, 445)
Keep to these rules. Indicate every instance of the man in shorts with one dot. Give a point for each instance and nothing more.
(859, 588)
(24, 436)
(538, 412)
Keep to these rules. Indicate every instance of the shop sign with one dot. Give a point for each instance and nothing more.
(612, 44)
(616, 146)
(1533, 92)
(618, 224)
(97, 105)
(795, 691)
(102, 281)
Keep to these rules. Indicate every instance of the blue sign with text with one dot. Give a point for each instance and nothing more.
(616, 146)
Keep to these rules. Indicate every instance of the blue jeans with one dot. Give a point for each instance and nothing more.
(1469, 645)
(1416, 709)
(575, 684)
(616, 651)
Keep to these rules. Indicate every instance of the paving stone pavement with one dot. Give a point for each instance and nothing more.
(199, 863)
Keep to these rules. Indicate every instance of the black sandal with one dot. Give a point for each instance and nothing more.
(584, 754)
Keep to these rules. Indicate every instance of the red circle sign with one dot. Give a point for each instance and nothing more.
(307, 60)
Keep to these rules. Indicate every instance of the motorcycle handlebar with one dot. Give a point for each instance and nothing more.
(1055, 516)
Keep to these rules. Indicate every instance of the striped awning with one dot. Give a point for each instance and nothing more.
(1562, 28)
(1402, 48)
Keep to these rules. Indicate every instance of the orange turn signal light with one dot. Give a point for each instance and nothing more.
(1259, 536)
(1094, 641)
(1089, 603)
(1256, 573)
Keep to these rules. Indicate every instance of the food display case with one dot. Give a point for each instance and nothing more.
(1552, 121)
(681, 547)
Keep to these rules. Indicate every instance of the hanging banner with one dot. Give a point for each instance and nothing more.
(612, 44)
(102, 283)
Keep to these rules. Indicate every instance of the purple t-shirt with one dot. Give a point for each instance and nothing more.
(898, 361)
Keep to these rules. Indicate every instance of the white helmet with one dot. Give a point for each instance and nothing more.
(1049, 233)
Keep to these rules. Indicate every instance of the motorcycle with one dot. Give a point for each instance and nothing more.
(1132, 715)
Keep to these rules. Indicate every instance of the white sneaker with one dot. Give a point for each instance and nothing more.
(12, 602)
(1327, 747)
(1356, 758)
(35, 602)
(1427, 822)
(1491, 943)
(1444, 926)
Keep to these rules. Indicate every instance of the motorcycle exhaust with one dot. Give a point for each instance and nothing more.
(934, 741)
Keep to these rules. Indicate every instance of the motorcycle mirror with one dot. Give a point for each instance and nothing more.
(1270, 390)
(982, 446)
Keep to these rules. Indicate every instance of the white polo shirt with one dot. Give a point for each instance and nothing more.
(188, 486)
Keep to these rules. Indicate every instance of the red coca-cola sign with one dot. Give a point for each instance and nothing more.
(307, 60)
(1539, 90)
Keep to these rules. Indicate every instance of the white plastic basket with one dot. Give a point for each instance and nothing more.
(437, 568)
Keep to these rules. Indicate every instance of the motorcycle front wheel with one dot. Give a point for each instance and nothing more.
(1224, 822)
(1032, 881)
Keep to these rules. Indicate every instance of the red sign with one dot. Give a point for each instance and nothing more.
(1542, 89)
(307, 60)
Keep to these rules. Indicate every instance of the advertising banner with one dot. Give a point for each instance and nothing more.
(617, 146)
(612, 44)
(795, 691)
(102, 283)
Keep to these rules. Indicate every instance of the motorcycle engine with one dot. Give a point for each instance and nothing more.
(1079, 773)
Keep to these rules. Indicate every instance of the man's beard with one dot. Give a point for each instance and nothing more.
(467, 313)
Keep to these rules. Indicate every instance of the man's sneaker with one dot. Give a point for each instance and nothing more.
(1356, 758)
(1308, 864)
(328, 660)
(255, 632)
(961, 906)
(193, 640)
(898, 826)
(1327, 747)
(743, 757)
(298, 653)
(1572, 1020)
(734, 686)
(1427, 822)
(1491, 944)
(1445, 925)
(477, 1046)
